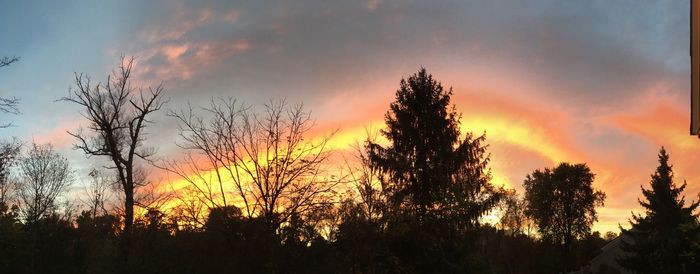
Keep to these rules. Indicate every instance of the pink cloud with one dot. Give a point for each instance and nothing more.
(183, 22)
(168, 51)
(372, 5)
(231, 16)
(58, 136)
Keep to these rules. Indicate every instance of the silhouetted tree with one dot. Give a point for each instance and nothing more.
(97, 242)
(435, 179)
(265, 160)
(190, 210)
(365, 178)
(9, 150)
(97, 193)
(118, 114)
(609, 236)
(430, 168)
(11, 245)
(43, 175)
(562, 202)
(513, 217)
(667, 239)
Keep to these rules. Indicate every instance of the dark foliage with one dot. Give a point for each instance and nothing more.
(561, 202)
(430, 169)
(667, 238)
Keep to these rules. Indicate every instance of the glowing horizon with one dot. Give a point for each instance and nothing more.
(601, 83)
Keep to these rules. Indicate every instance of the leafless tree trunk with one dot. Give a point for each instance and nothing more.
(43, 176)
(263, 162)
(117, 114)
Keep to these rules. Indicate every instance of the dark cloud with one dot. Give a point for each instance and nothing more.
(590, 52)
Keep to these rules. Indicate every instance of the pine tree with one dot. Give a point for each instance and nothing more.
(430, 169)
(667, 239)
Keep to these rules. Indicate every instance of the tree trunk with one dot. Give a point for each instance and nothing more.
(128, 225)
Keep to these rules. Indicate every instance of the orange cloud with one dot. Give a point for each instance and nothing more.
(658, 121)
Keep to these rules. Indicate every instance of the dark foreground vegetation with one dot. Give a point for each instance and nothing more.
(261, 197)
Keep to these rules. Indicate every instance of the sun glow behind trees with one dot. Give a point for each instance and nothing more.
(341, 147)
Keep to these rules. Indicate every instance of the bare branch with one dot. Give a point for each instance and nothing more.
(6, 61)
(261, 160)
(8, 105)
(43, 176)
(117, 114)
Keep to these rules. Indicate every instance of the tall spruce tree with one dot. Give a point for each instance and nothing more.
(667, 239)
(431, 170)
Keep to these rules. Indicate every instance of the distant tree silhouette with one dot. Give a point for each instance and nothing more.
(11, 246)
(562, 202)
(190, 211)
(667, 238)
(97, 193)
(430, 169)
(9, 150)
(8, 104)
(266, 159)
(365, 178)
(96, 242)
(609, 236)
(118, 114)
(513, 217)
(43, 175)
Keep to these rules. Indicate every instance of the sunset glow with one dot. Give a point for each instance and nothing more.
(570, 81)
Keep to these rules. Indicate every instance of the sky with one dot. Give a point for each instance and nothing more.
(604, 83)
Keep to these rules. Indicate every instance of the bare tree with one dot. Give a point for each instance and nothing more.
(117, 114)
(8, 104)
(190, 210)
(365, 179)
(9, 150)
(259, 161)
(97, 193)
(43, 175)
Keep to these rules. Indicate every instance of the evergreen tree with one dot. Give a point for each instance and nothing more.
(430, 169)
(667, 239)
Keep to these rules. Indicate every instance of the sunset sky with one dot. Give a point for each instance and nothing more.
(599, 82)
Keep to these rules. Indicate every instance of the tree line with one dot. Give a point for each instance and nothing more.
(263, 196)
